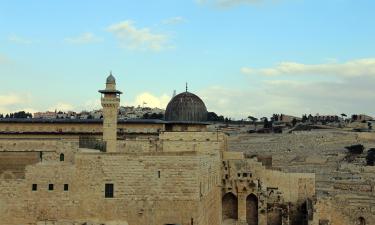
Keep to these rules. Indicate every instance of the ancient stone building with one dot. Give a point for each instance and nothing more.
(141, 172)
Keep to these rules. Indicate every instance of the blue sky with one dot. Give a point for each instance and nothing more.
(243, 57)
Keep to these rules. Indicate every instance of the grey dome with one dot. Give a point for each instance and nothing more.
(111, 79)
(186, 107)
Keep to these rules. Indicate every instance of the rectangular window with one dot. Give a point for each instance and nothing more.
(34, 187)
(66, 187)
(50, 187)
(109, 189)
(159, 174)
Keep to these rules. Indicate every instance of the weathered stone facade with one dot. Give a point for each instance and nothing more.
(345, 185)
(176, 176)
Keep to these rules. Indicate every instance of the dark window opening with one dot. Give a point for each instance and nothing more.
(62, 157)
(159, 174)
(109, 190)
(34, 187)
(66, 187)
(244, 174)
(50, 187)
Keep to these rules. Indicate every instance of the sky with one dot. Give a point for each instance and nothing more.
(242, 57)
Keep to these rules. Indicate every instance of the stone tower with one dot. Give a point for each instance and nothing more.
(110, 101)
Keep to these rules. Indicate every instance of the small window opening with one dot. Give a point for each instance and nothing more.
(66, 187)
(109, 190)
(50, 187)
(159, 174)
(34, 187)
(244, 174)
(62, 157)
(238, 174)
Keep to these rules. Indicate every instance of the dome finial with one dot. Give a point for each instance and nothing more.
(111, 79)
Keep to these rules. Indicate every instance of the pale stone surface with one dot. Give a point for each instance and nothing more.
(161, 174)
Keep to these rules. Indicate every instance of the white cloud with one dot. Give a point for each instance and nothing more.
(150, 100)
(15, 102)
(11, 99)
(354, 68)
(295, 88)
(85, 38)
(61, 106)
(293, 97)
(174, 20)
(138, 38)
(19, 40)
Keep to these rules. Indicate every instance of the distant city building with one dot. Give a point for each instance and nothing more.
(285, 118)
(361, 117)
(45, 115)
(125, 112)
(324, 118)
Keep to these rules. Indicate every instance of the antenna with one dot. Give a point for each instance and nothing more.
(186, 87)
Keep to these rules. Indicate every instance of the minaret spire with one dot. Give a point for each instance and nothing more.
(110, 101)
(186, 87)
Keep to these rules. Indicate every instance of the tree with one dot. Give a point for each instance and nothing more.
(21, 115)
(266, 123)
(304, 118)
(146, 116)
(342, 116)
(253, 119)
(211, 116)
(294, 122)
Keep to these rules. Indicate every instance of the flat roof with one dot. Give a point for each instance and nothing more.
(78, 121)
(94, 121)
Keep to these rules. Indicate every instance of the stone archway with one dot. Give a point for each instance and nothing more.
(252, 210)
(361, 221)
(230, 206)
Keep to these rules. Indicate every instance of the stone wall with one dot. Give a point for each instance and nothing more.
(84, 127)
(151, 187)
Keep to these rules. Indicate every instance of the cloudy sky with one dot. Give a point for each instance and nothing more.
(242, 57)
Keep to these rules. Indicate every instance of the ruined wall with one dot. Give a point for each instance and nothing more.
(265, 196)
(345, 183)
(295, 186)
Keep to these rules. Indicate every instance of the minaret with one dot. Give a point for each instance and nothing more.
(110, 101)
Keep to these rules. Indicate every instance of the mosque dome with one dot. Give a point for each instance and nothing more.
(111, 79)
(186, 107)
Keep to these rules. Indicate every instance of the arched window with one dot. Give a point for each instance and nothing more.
(252, 209)
(62, 157)
(230, 206)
